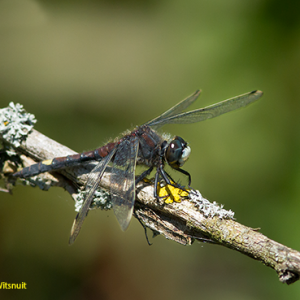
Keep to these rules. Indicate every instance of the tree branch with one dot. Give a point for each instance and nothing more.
(191, 219)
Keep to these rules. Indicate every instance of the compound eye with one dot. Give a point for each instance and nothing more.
(177, 152)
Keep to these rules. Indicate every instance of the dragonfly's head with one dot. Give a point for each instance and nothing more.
(177, 152)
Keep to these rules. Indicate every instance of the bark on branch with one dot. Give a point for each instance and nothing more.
(182, 222)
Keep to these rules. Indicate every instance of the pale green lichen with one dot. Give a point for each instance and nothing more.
(101, 199)
(15, 123)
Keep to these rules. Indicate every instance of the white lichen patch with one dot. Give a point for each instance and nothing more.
(210, 209)
(101, 199)
(15, 123)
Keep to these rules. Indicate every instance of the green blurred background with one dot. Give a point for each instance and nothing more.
(89, 70)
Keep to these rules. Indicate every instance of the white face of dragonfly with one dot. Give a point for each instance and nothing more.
(185, 155)
(177, 152)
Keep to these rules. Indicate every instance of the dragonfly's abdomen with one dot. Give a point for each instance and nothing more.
(64, 162)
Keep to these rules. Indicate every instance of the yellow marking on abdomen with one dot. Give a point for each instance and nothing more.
(47, 162)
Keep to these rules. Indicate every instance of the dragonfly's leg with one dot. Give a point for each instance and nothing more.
(143, 175)
(169, 176)
(174, 183)
(156, 182)
(145, 228)
(187, 174)
(165, 176)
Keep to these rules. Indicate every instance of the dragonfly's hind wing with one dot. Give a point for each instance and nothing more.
(123, 180)
(176, 109)
(91, 186)
(211, 111)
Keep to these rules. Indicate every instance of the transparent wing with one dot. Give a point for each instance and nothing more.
(176, 109)
(209, 112)
(123, 181)
(91, 186)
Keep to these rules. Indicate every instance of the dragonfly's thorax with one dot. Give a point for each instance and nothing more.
(177, 152)
(149, 145)
(154, 148)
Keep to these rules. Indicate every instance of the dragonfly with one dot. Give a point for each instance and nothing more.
(142, 146)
